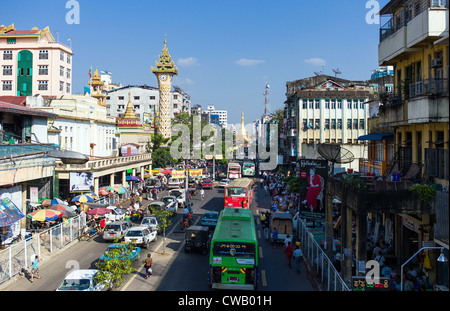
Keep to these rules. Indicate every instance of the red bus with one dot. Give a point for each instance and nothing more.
(239, 193)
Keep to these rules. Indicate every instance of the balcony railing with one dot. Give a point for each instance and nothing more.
(8, 150)
(106, 162)
(429, 87)
(409, 11)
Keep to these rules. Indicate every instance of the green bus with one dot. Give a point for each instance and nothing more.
(233, 261)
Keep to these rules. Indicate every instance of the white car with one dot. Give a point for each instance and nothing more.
(174, 183)
(141, 236)
(82, 280)
(151, 222)
(224, 182)
(171, 203)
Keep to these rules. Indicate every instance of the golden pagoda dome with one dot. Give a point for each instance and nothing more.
(242, 134)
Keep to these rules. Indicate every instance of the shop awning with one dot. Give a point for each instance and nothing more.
(383, 136)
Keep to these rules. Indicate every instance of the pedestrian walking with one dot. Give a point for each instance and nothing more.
(202, 194)
(298, 258)
(289, 251)
(148, 265)
(274, 237)
(35, 267)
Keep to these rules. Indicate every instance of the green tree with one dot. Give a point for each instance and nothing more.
(117, 263)
(164, 221)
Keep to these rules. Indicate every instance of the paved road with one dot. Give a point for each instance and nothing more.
(174, 270)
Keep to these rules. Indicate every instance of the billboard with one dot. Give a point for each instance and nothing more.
(313, 180)
(178, 174)
(80, 182)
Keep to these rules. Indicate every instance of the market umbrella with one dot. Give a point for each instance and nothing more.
(167, 172)
(45, 215)
(92, 194)
(83, 198)
(120, 189)
(65, 212)
(103, 192)
(99, 211)
(57, 201)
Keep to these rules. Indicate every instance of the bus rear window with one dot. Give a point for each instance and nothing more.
(234, 249)
(235, 192)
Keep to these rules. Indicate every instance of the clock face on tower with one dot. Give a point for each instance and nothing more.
(163, 77)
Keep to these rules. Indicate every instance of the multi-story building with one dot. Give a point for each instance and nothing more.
(145, 101)
(325, 110)
(408, 142)
(26, 171)
(222, 115)
(32, 63)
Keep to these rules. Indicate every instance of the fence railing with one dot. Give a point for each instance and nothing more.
(319, 262)
(17, 257)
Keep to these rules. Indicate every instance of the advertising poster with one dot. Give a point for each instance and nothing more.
(80, 182)
(195, 172)
(313, 180)
(178, 174)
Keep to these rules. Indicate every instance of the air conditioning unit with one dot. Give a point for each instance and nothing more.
(437, 62)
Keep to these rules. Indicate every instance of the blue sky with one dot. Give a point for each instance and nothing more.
(226, 51)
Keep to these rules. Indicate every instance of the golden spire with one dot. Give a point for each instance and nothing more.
(243, 131)
(165, 63)
(129, 113)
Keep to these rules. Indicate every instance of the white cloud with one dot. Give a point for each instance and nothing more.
(315, 61)
(249, 62)
(187, 62)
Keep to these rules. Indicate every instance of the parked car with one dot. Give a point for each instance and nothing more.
(197, 237)
(210, 219)
(82, 280)
(151, 222)
(224, 182)
(115, 230)
(121, 248)
(141, 236)
(174, 183)
(180, 195)
(161, 205)
(171, 203)
(207, 183)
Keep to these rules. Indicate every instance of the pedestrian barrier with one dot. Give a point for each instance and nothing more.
(319, 262)
(17, 257)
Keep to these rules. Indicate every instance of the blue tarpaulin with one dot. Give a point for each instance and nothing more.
(382, 136)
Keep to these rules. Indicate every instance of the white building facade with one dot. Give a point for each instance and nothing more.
(32, 62)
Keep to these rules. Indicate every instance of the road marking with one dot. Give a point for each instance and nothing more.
(259, 235)
(263, 277)
(260, 252)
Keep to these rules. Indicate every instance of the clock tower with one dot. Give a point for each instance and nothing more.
(164, 71)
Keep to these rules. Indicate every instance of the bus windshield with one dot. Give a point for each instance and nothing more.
(235, 192)
(232, 249)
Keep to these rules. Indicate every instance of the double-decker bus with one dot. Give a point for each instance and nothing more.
(233, 261)
(239, 193)
(234, 170)
(248, 169)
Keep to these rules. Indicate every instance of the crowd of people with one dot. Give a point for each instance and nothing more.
(275, 186)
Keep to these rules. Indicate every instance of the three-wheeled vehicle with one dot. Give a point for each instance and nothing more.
(197, 237)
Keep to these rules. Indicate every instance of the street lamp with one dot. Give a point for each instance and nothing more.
(441, 258)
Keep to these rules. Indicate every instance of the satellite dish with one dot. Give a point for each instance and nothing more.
(335, 154)
(337, 72)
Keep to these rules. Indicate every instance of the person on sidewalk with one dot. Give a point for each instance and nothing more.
(298, 258)
(274, 237)
(148, 264)
(35, 267)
